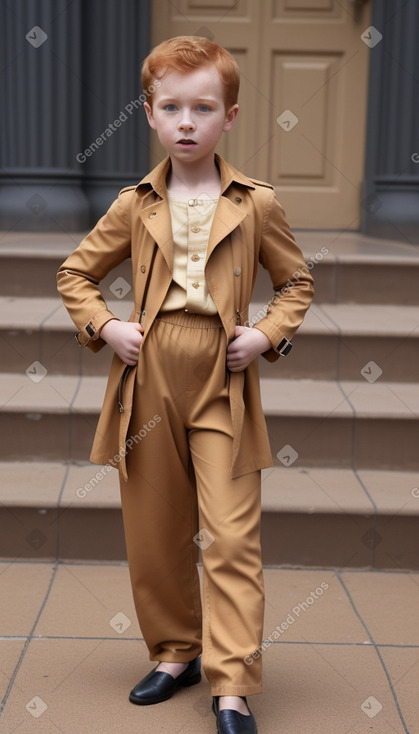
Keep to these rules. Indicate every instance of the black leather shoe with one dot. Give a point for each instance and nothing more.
(158, 686)
(233, 722)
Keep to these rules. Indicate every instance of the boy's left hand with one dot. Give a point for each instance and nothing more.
(246, 346)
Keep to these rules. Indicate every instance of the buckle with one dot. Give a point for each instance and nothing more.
(284, 347)
(76, 336)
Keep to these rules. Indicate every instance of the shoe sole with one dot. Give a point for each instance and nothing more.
(182, 684)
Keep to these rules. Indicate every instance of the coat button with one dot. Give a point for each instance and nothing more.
(238, 199)
(237, 271)
(153, 214)
(142, 268)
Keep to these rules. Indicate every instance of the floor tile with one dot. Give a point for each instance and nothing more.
(10, 651)
(403, 667)
(308, 606)
(388, 603)
(319, 689)
(85, 599)
(23, 587)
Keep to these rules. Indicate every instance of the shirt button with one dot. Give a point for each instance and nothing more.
(142, 268)
(195, 257)
(192, 202)
(195, 285)
(196, 229)
(237, 271)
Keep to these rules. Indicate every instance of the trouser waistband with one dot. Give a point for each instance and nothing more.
(191, 320)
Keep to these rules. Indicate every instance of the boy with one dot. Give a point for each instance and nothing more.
(195, 229)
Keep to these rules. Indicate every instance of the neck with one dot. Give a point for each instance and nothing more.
(196, 178)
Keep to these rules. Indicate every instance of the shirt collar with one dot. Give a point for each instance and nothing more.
(157, 177)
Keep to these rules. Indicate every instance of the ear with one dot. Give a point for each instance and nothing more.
(231, 117)
(149, 113)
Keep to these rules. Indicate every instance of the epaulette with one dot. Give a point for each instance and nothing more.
(128, 188)
(261, 183)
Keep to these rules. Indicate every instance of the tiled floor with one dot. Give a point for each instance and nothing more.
(345, 659)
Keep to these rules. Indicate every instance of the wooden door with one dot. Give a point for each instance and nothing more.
(303, 95)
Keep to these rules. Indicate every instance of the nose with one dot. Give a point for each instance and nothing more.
(186, 122)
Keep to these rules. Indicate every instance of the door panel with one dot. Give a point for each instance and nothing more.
(303, 95)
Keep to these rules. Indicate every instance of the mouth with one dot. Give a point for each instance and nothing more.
(186, 141)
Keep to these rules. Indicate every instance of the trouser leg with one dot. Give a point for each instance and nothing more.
(233, 589)
(162, 564)
(160, 520)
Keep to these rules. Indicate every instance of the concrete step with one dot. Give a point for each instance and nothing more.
(357, 268)
(40, 329)
(350, 268)
(346, 518)
(29, 262)
(312, 422)
(335, 341)
(343, 424)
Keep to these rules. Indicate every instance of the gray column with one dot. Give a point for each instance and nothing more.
(40, 188)
(115, 149)
(70, 73)
(390, 203)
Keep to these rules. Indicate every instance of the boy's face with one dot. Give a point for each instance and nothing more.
(189, 106)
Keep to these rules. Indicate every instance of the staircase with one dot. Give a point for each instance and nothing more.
(342, 412)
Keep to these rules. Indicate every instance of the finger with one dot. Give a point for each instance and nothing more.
(236, 369)
(236, 359)
(234, 364)
(233, 348)
(239, 330)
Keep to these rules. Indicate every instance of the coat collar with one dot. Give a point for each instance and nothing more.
(157, 177)
(155, 215)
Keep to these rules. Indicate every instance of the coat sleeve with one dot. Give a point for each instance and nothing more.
(291, 279)
(78, 278)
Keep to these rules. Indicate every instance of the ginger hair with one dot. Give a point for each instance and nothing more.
(186, 53)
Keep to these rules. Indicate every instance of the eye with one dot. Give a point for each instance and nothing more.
(170, 107)
(203, 108)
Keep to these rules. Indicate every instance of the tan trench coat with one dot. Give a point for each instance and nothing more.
(249, 228)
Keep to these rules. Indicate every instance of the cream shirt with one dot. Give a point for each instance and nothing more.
(191, 225)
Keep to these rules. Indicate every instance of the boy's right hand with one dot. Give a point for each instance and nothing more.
(125, 338)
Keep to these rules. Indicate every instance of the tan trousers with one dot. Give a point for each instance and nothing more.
(179, 497)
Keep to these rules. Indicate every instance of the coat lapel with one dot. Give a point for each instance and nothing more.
(226, 218)
(156, 219)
